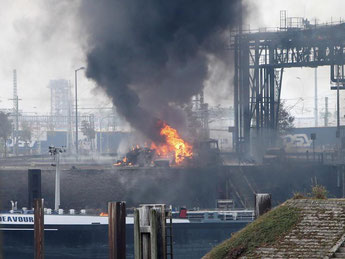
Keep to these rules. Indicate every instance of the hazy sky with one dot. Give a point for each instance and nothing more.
(41, 39)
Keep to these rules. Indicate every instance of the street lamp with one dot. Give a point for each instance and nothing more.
(56, 152)
(76, 108)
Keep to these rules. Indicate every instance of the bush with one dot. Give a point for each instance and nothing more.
(319, 192)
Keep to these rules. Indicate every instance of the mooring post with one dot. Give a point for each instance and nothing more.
(117, 230)
(145, 231)
(263, 203)
(149, 232)
(137, 236)
(39, 228)
(154, 233)
(34, 186)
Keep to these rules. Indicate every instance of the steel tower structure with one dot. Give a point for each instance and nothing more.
(260, 59)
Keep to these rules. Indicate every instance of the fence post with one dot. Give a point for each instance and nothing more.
(39, 228)
(117, 230)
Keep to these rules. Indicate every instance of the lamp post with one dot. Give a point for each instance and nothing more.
(76, 109)
(56, 152)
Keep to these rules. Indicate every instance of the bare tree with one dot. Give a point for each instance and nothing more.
(25, 133)
(285, 120)
(88, 131)
(5, 129)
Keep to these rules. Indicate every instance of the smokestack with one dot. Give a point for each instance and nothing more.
(151, 57)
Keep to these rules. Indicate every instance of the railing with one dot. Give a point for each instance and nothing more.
(220, 215)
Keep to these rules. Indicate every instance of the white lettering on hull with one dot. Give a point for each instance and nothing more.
(16, 219)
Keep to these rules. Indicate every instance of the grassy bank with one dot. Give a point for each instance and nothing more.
(265, 230)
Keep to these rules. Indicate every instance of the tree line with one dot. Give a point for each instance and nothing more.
(6, 128)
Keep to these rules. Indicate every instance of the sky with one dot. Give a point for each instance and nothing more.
(41, 39)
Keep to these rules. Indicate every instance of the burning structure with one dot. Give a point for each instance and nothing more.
(171, 147)
(173, 150)
(142, 156)
(152, 57)
(173, 144)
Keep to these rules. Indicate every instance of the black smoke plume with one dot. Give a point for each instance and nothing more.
(151, 56)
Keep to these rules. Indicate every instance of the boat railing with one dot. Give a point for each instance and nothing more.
(247, 215)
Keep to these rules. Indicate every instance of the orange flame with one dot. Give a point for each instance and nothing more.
(174, 144)
(122, 162)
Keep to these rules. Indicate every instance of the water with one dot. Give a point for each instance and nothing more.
(190, 241)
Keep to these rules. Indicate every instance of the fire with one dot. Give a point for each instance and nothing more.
(173, 144)
(121, 162)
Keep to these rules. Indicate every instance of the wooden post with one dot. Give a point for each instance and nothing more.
(154, 233)
(117, 230)
(34, 186)
(137, 236)
(145, 231)
(149, 232)
(39, 228)
(263, 202)
(161, 221)
(122, 231)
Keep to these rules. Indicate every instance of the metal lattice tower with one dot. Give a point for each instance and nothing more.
(260, 60)
(15, 91)
(59, 97)
(15, 112)
(198, 116)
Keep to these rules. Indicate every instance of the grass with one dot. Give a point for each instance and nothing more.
(264, 231)
(319, 192)
(298, 195)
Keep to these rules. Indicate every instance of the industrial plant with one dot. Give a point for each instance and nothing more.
(162, 129)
